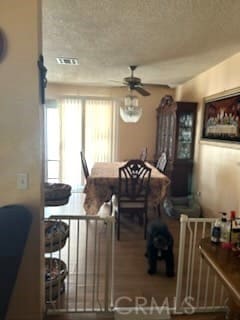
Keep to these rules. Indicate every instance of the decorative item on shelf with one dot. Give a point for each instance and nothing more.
(235, 232)
(56, 194)
(130, 111)
(56, 234)
(55, 273)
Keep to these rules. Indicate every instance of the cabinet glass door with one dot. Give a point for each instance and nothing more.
(185, 136)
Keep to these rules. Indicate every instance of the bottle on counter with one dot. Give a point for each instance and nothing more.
(232, 220)
(216, 232)
(232, 215)
(225, 229)
(235, 230)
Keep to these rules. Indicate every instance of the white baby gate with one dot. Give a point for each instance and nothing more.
(89, 257)
(87, 285)
(198, 287)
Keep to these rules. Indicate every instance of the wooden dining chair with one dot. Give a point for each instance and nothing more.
(84, 164)
(133, 190)
(143, 154)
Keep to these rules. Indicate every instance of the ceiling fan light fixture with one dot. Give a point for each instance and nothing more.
(130, 100)
(130, 112)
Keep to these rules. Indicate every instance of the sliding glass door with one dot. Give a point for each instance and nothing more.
(75, 124)
(52, 142)
(71, 141)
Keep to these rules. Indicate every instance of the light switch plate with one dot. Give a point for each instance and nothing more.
(22, 181)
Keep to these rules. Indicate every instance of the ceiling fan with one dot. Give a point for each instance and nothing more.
(135, 83)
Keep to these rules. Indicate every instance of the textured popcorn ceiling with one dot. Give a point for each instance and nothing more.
(170, 40)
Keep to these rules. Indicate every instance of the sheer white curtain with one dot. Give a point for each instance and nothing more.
(71, 112)
(87, 124)
(99, 139)
(52, 141)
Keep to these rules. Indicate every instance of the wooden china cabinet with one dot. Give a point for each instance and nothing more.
(176, 122)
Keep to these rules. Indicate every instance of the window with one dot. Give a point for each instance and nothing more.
(52, 142)
(75, 124)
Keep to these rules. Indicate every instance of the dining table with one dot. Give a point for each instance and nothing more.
(103, 182)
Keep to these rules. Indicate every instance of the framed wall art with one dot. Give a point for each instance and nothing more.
(222, 117)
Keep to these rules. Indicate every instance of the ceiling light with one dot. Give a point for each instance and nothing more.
(71, 61)
(130, 111)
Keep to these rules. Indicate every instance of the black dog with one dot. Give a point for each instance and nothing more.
(159, 247)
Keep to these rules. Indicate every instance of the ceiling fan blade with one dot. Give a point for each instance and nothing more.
(156, 85)
(124, 83)
(142, 91)
(116, 81)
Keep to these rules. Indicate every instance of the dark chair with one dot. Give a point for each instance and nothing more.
(133, 190)
(15, 223)
(84, 165)
(143, 154)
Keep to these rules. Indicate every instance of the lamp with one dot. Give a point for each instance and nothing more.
(130, 111)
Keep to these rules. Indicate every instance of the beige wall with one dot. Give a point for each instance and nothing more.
(217, 165)
(131, 137)
(21, 143)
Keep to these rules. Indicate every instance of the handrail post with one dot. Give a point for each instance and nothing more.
(182, 238)
(113, 255)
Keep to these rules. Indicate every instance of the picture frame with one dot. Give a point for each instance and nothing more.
(221, 119)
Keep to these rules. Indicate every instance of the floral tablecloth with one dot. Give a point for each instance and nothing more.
(103, 182)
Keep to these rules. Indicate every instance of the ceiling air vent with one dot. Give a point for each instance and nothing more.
(71, 61)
